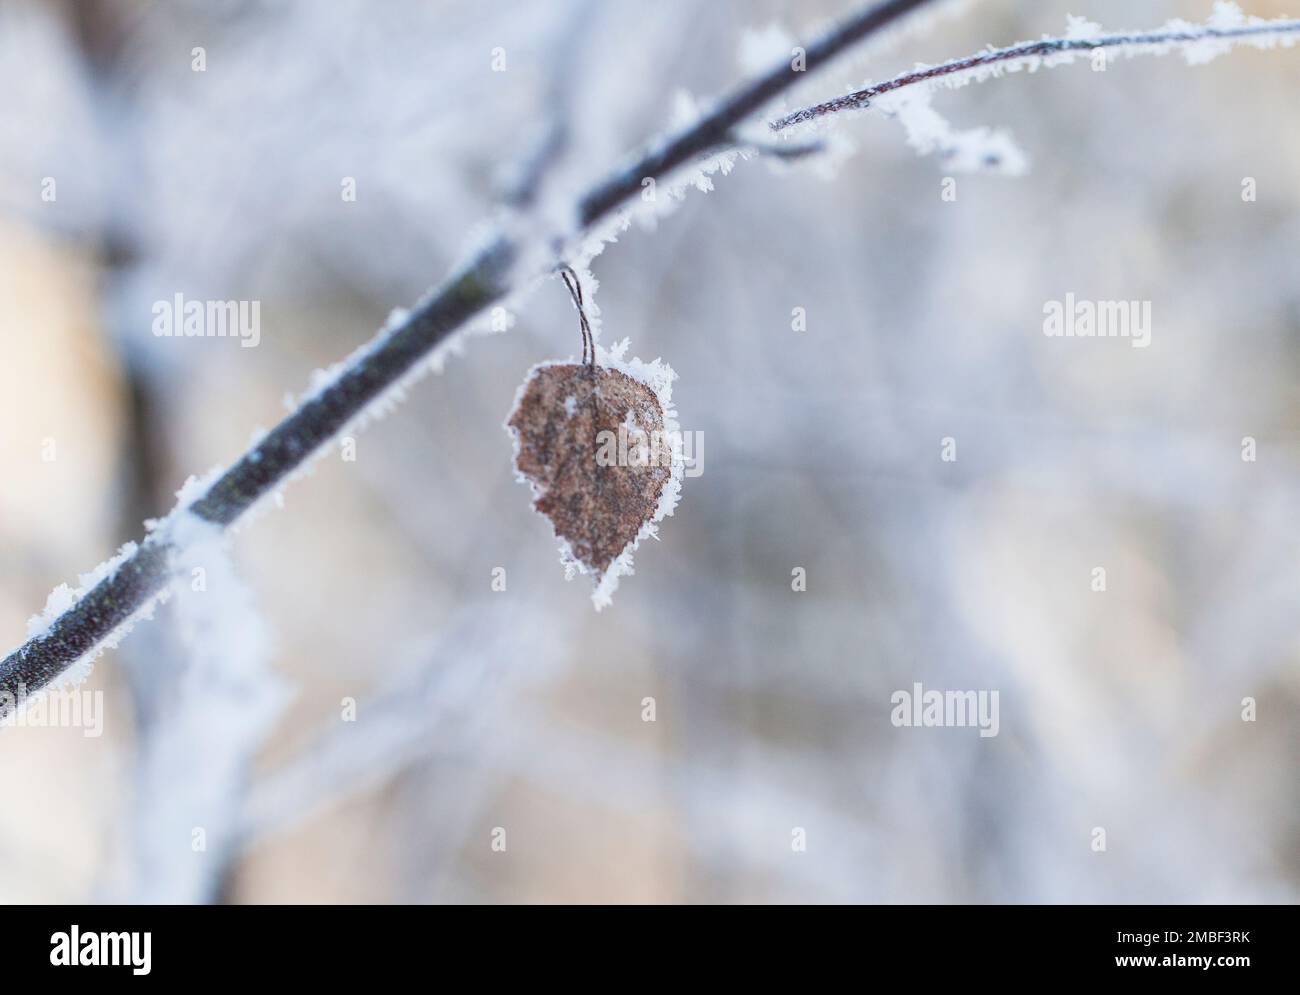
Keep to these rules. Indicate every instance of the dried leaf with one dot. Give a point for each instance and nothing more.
(565, 416)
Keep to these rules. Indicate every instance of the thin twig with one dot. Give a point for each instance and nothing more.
(714, 130)
(398, 350)
(1033, 50)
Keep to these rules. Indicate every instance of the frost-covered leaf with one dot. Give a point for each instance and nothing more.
(597, 446)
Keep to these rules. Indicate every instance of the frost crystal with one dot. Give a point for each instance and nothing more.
(967, 151)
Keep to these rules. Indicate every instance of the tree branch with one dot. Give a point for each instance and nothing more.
(1158, 41)
(714, 130)
(133, 587)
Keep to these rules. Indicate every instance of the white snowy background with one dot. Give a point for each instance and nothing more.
(523, 709)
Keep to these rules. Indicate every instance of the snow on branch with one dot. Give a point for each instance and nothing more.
(1199, 43)
(514, 256)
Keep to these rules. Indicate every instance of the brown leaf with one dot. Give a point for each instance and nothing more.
(558, 424)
